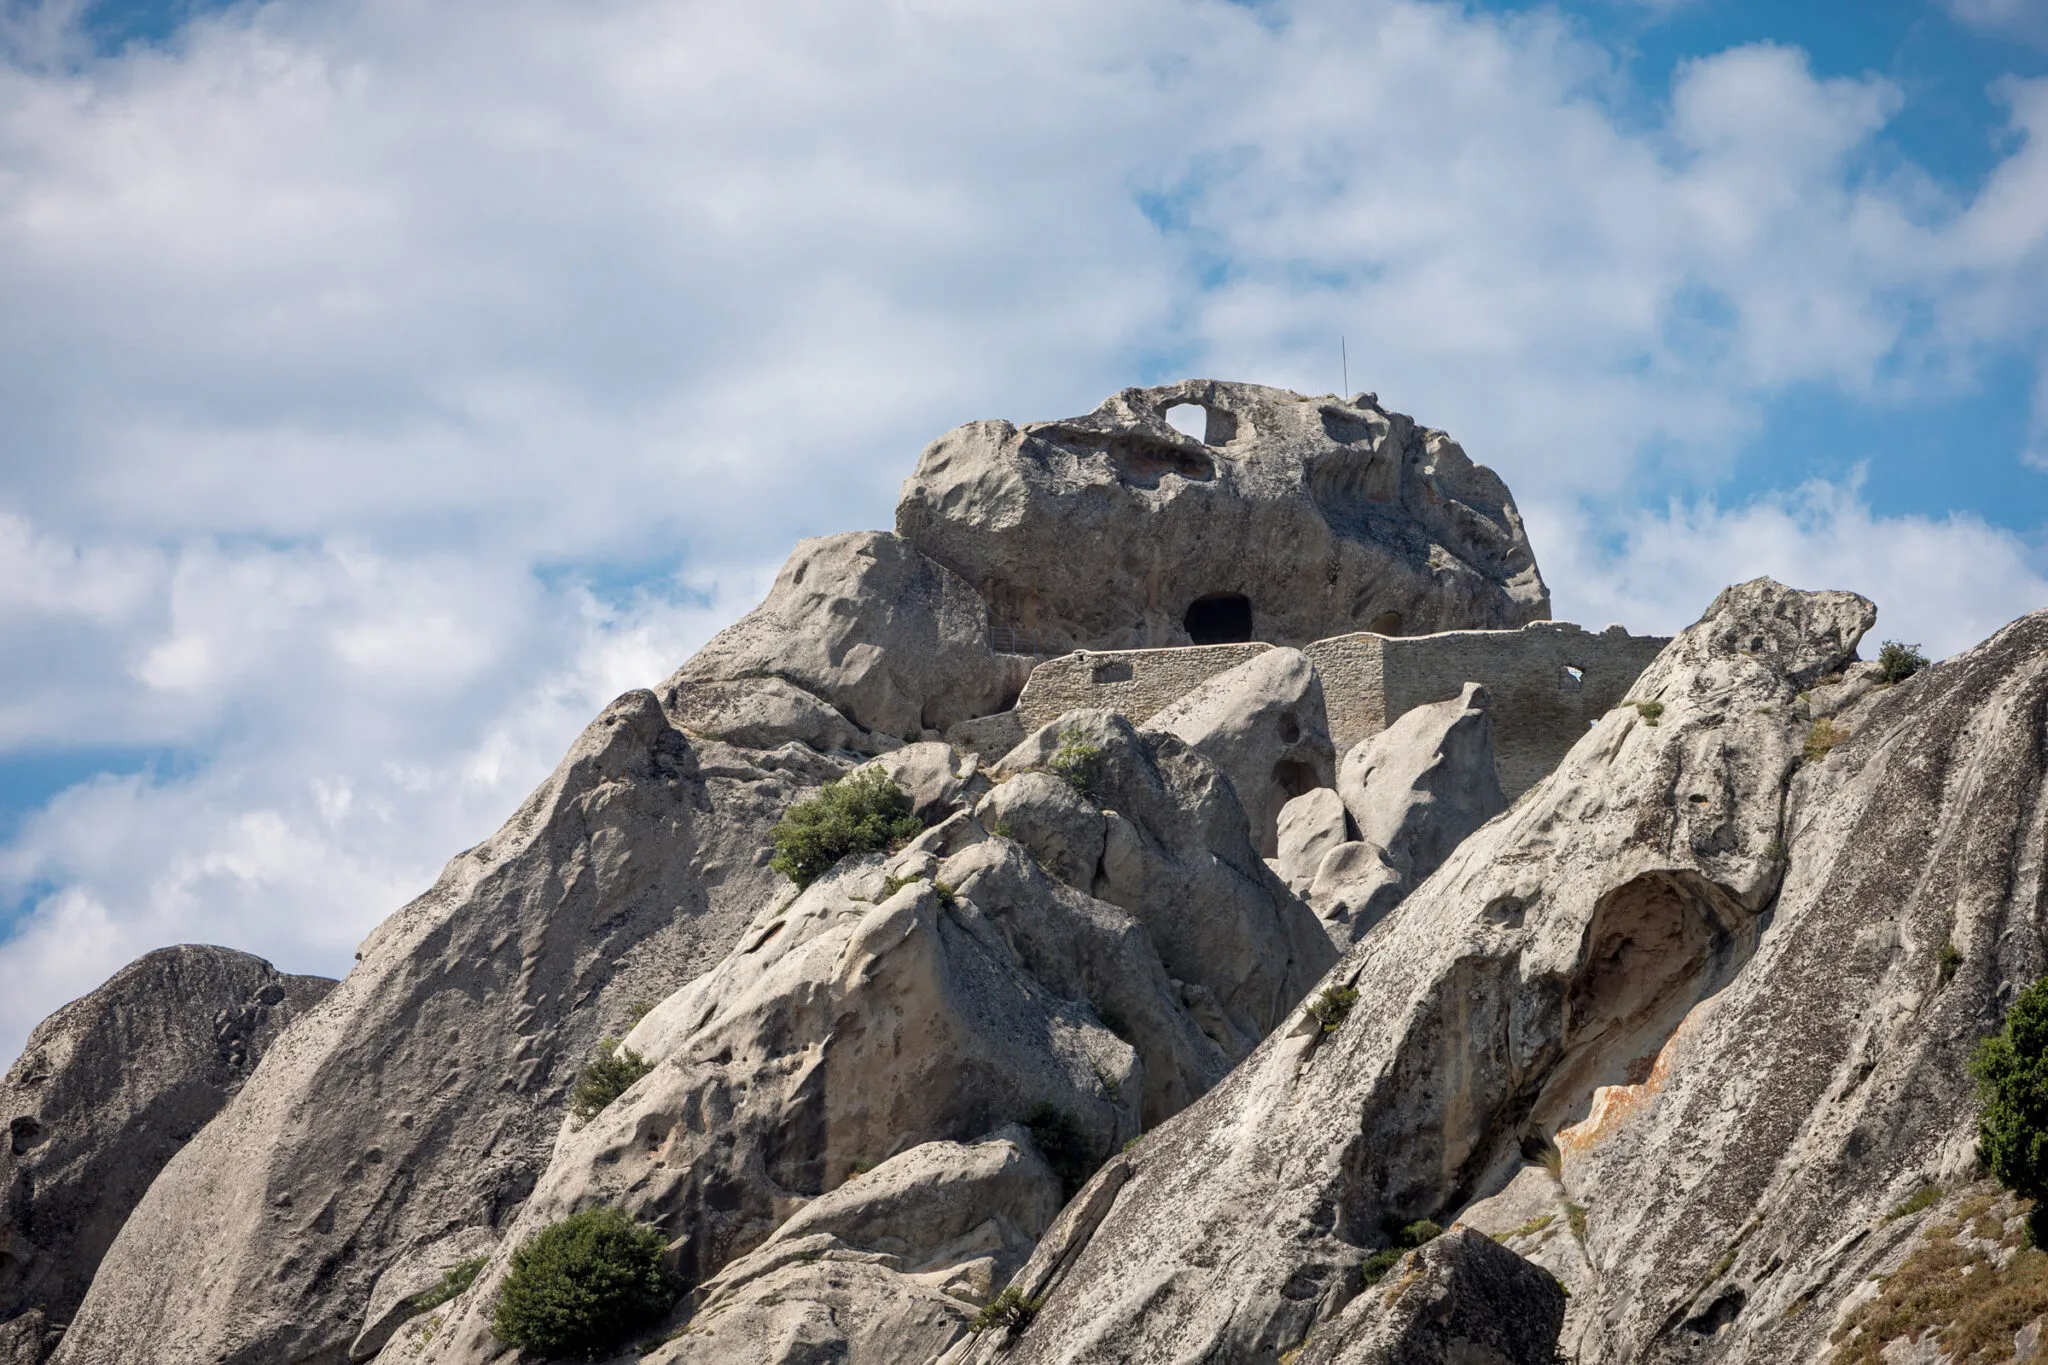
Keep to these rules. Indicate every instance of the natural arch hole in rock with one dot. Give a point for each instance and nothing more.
(1290, 730)
(1570, 678)
(1221, 618)
(1210, 426)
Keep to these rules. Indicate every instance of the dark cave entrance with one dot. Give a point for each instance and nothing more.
(1221, 618)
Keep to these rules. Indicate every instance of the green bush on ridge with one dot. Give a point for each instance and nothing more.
(584, 1286)
(864, 813)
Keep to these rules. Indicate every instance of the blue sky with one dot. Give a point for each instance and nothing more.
(385, 386)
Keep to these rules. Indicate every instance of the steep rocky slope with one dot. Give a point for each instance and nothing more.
(1705, 958)
(104, 1094)
(405, 1119)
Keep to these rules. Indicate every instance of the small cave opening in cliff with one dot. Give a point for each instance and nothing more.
(1220, 618)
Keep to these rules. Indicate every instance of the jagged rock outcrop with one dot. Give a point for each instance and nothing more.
(1264, 725)
(104, 1094)
(1461, 1299)
(1548, 962)
(1323, 516)
(1414, 792)
(414, 1107)
(932, 997)
(898, 644)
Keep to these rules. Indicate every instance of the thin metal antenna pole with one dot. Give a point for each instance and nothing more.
(1344, 349)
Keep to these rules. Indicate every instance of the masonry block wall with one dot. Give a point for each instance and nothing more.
(1548, 681)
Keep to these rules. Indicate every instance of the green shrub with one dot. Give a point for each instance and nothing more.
(1947, 961)
(584, 1286)
(1379, 1263)
(1063, 1144)
(455, 1281)
(1650, 711)
(1076, 761)
(607, 1076)
(864, 813)
(1009, 1310)
(1898, 662)
(1924, 1197)
(1330, 1008)
(2011, 1069)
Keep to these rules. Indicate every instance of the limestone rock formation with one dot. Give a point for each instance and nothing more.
(1461, 1299)
(889, 1267)
(1414, 792)
(1309, 826)
(105, 1092)
(1177, 855)
(1263, 724)
(1534, 989)
(416, 1104)
(1295, 519)
(896, 643)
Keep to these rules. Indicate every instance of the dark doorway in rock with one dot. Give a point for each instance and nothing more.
(1294, 778)
(1221, 618)
(1386, 623)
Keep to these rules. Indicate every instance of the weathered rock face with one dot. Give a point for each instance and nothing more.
(887, 1268)
(1462, 1299)
(417, 1102)
(1177, 855)
(895, 642)
(1414, 792)
(106, 1091)
(1263, 724)
(1296, 519)
(1552, 958)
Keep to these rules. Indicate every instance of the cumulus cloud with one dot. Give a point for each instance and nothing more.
(2024, 19)
(387, 386)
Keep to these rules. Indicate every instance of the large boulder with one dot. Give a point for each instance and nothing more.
(897, 643)
(1461, 1299)
(1263, 724)
(1414, 792)
(414, 1107)
(1293, 520)
(106, 1092)
(1570, 959)
(1177, 855)
(888, 1268)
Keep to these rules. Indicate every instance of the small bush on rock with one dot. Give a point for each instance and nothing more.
(1822, 739)
(607, 1076)
(1650, 711)
(864, 813)
(1076, 762)
(1009, 1310)
(1331, 1007)
(584, 1286)
(2011, 1069)
(454, 1282)
(1898, 662)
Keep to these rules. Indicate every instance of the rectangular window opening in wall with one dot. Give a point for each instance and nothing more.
(1570, 678)
(1115, 671)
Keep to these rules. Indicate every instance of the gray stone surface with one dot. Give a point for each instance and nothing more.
(938, 780)
(896, 643)
(889, 1267)
(764, 713)
(1309, 827)
(418, 1101)
(1063, 829)
(1100, 531)
(1419, 787)
(1552, 959)
(1461, 1299)
(1262, 724)
(1177, 855)
(104, 1094)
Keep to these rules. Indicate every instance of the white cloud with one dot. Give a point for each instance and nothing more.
(341, 343)
(1943, 582)
(2026, 19)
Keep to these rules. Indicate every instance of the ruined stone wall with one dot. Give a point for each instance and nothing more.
(1540, 705)
(1133, 682)
(1548, 682)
